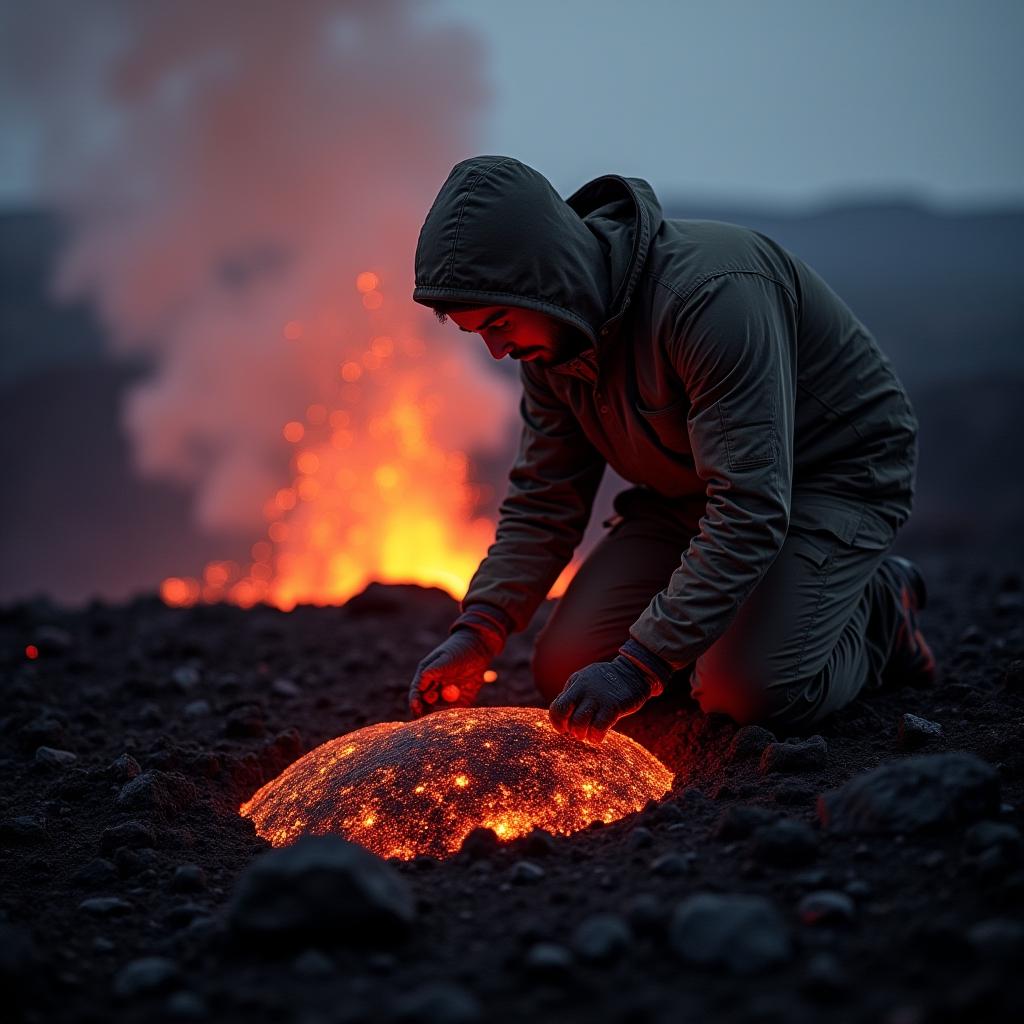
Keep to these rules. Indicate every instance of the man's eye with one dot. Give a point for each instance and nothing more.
(500, 325)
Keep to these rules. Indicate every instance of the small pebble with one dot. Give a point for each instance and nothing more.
(548, 958)
(826, 907)
(313, 963)
(50, 757)
(188, 878)
(915, 732)
(143, 976)
(670, 865)
(105, 906)
(799, 756)
(601, 937)
(524, 872)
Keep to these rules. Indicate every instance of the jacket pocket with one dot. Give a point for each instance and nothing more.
(749, 445)
(816, 546)
(669, 424)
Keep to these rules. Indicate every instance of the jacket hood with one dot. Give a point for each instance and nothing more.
(498, 233)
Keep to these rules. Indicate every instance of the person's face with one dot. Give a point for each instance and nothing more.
(520, 333)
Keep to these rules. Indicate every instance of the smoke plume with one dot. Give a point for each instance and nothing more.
(243, 182)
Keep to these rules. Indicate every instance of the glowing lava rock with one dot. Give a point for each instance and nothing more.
(407, 788)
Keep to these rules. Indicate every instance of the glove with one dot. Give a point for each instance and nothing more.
(597, 696)
(453, 673)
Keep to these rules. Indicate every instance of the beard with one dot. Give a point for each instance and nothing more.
(568, 342)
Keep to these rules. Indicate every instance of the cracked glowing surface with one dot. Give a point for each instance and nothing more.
(406, 788)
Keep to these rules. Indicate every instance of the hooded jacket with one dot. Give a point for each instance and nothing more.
(720, 371)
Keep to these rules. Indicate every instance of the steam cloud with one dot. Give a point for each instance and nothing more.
(227, 170)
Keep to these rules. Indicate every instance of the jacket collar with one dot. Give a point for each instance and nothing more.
(604, 193)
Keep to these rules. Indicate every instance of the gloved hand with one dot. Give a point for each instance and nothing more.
(597, 696)
(452, 674)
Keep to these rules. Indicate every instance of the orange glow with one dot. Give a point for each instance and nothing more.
(31, 652)
(285, 499)
(372, 492)
(367, 281)
(565, 577)
(406, 788)
(216, 574)
(490, 676)
(180, 592)
(261, 551)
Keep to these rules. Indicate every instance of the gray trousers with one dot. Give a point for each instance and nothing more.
(816, 631)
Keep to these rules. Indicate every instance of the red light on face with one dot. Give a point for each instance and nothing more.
(31, 652)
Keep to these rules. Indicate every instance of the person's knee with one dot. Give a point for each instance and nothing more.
(748, 695)
(759, 698)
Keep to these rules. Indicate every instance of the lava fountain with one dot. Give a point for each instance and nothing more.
(406, 788)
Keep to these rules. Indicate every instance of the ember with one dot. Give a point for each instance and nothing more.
(407, 788)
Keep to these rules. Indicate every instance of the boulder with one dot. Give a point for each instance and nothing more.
(321, 888)
(740, 933)
(928, 793)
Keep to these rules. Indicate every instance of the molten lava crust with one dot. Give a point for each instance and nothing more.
(407, 788)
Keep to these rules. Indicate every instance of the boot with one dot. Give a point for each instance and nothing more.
(911, 661)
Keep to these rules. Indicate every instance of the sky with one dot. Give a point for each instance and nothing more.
(783, 101)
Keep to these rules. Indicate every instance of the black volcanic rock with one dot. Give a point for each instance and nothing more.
(42, 731)
(401, 599)
(124, 768)
(796, 756)
(784, 842)
(749, 743)
(739, 821)
(826, 907)
(928, 793)
(321, 888)
(915, 732)
(144, 976)
(1013, 675)
(601, 937)
(743, 934)
(22, 829)
(480, 843)
(162, 794)
(135, 835)
(438, 1003)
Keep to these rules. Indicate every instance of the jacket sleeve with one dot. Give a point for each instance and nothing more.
(551, 491)
(733, 344)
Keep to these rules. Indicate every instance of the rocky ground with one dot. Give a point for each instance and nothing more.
(132, 890)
